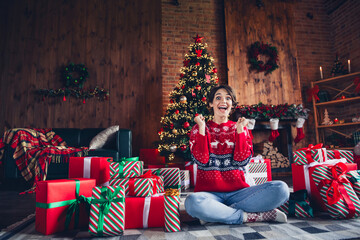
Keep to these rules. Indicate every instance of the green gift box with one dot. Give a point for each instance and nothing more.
(298, 205)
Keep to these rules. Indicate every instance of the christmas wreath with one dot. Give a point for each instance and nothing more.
(256, 64)
(75, 75)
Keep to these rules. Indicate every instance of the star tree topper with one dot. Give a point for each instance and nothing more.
(198, 38)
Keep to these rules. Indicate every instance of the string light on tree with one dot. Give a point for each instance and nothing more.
(197, 76)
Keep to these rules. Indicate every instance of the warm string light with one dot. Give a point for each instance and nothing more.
(196, 77)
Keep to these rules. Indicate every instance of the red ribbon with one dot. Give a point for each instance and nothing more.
(308, 151)
(313, 92)
(357, 84)
(337, 187)
(336, 154)
(148, 174)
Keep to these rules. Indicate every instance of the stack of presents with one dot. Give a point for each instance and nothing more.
(108, 197)
(324, 180)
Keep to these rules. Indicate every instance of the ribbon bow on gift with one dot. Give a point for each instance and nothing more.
(299, 198)
(106, 198)
(337, 187)
(308, 151)
(157, 182)
(74, 206)
(313, 92)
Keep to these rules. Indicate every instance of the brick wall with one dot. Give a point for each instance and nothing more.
(345, 21)
(179, 25)
(321, 30)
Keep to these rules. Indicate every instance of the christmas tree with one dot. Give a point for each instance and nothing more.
(188, 99)
(338, 68)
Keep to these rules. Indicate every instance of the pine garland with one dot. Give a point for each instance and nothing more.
(265, 112)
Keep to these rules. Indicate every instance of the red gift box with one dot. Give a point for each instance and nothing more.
(53, 199)
(192, 167)
(90, 167)
(301, 176)
(151, 156)
(144, 212)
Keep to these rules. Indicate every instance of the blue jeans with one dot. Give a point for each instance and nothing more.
(228, 207)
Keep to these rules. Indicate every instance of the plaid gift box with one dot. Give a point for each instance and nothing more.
(310, 154)
(61, 204)
(336, 191)
(301, 176)
(298, 205)
(258, 171)
(144, 212)
(171, 176)
(143, 186)
(97, 168)
(337, 154)
(126, 168)
(107, 212)
(354, 178)
(185, 179)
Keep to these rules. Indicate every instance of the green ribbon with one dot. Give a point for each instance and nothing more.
(299, 198)
(122, 162)
(74, 205)
(105, 200)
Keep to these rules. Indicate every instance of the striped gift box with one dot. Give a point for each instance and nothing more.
(172, 213)
(298, 205)
(307, 155)
(107, 219)
(140, 187)
(126, 169)
(171, 176)
(339, 205)
(337, 154)
(258, 171)
(354, 178)
(185, 179)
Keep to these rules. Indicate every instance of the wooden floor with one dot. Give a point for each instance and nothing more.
(13, 206)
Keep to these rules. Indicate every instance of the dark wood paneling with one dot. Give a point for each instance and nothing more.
(119, 42)
(245, 24)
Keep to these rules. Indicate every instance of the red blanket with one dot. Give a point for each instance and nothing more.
(35, 149)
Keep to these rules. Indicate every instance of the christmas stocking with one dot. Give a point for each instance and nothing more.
(251, 126)
(274, 125)
(299, 130)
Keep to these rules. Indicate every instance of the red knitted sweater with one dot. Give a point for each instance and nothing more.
(221, 156)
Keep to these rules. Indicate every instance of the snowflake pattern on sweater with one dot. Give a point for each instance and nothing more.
(221, 156)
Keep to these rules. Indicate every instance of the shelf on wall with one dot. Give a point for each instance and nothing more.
(339, 101)
(339, 125)
(341, 77)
